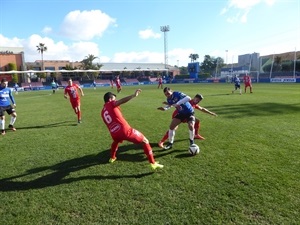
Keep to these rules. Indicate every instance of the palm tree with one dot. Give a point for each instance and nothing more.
(87, 63)
(193, 57)
(41, 48)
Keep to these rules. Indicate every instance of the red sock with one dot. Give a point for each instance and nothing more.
(79, 115)
(165, 137)
(148, 151)
(197, 127)
(114, 149)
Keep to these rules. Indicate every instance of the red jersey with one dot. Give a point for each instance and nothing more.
(72, 91)
(194, 105)
(160, 80)
(118, 82)
(247, 79)
(114, 120)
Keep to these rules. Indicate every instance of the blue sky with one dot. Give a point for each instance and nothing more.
(129, 30)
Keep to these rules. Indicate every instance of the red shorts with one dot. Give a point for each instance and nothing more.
(247, 84)
(75, 102)
(131, 135)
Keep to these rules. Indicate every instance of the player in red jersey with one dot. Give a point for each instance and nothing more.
(120, 130)
(194, 102)
(72, 93)
(118, 84)
(160, 82)
(247, 82)
(111, 82)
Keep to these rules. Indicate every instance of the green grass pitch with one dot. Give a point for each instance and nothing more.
(53, 171)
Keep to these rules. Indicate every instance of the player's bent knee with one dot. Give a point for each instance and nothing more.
(146, 141)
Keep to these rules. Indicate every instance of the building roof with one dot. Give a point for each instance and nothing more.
(132, 66)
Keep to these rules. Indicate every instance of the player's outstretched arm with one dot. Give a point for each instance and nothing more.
(202, 109)
(168, 106)
(161, 108)
(126, 99)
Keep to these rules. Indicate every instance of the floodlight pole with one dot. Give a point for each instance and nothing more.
(250, 63)
(294, 73)
(271, 67)
(226, 57)
(165, 29)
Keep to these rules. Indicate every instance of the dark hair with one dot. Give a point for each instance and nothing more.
(166, 89)
(199, 96)
(107, 96)
(3, 80)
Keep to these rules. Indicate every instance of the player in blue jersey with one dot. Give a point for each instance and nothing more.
(237, 84)
(16, 88)
(94, 84)
(6, 98)
(185, 112)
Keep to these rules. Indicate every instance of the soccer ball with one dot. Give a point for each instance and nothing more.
(194, 149)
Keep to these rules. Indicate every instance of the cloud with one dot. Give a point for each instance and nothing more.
(85, 25)
(78, 50)
(14, 42)
(47, 30)
(243, 4)
(241, 8)
(177, 56)
(148, 33)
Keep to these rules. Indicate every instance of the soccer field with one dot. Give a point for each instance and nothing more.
(54, 171)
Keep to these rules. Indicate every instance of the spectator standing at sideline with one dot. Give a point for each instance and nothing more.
(120, 130)
(247, 82)
(72, 93)
(6, 98)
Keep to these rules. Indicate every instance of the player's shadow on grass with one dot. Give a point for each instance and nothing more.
(59, 124)
(232, 111)
(135, 152)
(48, 176)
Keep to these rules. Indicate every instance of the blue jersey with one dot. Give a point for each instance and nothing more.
(6, 96)
(236, 81)
(175, 97)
